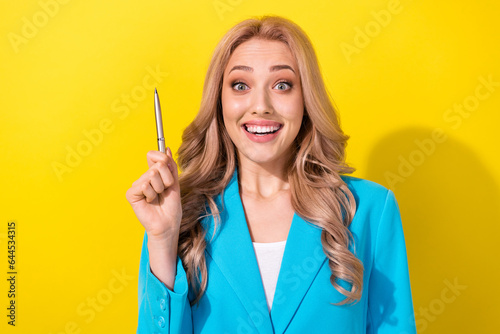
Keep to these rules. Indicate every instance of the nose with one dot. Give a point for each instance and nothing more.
(262, 103)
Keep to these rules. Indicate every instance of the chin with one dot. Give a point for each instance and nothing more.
(262, 159)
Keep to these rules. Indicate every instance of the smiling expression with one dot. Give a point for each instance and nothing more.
(262, 103)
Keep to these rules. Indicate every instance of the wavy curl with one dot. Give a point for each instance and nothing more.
(207, 159)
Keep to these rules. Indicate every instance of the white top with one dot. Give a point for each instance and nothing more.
(269, 256)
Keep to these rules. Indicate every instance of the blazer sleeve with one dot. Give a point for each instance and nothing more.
(390, 306)
(162, 310)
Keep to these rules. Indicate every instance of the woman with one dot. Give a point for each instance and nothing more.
(263, 232)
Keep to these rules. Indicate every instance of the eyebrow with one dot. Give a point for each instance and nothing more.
(271, 69)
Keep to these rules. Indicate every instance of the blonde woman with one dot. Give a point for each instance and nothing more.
(263, 231)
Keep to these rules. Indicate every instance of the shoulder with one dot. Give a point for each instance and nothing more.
(363, 187)
(377, 211)
(368, 194)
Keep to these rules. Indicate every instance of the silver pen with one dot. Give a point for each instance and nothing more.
(159, 124)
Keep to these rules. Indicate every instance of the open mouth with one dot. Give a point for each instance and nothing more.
(262, 130)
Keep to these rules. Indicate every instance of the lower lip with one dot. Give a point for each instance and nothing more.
(261, 139)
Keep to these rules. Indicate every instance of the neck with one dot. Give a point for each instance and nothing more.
(262, 181)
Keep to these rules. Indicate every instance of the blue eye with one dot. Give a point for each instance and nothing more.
(239, 84)
(283, 83)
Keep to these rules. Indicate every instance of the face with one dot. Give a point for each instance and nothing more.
(262, 102)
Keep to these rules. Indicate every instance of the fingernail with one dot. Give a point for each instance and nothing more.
(168, 151)
(169, 166)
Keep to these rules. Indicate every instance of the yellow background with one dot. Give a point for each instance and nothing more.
(78, 242)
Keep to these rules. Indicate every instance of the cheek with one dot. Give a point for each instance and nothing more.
(230, 117)
(293, 112)
(232, 111)
(227, 109)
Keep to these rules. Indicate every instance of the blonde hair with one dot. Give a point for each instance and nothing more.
(207, 159)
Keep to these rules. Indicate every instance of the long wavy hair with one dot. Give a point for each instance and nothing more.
(207, 159)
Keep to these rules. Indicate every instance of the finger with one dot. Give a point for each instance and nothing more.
(156, 156)
(138, 192)
(163, 164)
(174, 168)
(148, 192)
(156, 180)
(165, 174)
(144, 177)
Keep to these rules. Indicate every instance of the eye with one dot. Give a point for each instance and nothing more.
(282, 85)
(239, 85)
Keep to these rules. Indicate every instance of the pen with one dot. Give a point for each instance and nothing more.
(159, 124)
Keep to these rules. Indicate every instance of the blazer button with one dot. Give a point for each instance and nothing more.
(161, 322)
(163, 304)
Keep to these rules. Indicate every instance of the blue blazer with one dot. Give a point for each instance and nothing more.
(235, 302)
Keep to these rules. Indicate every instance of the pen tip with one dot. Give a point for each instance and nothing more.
(156, 91)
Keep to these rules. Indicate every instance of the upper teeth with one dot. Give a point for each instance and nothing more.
(262, 129)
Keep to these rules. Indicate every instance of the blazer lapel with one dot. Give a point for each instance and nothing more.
(302, 259)
(232, 251)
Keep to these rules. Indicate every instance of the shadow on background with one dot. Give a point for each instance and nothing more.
(450, 210)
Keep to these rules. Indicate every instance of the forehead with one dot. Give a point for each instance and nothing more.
(257, 51)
